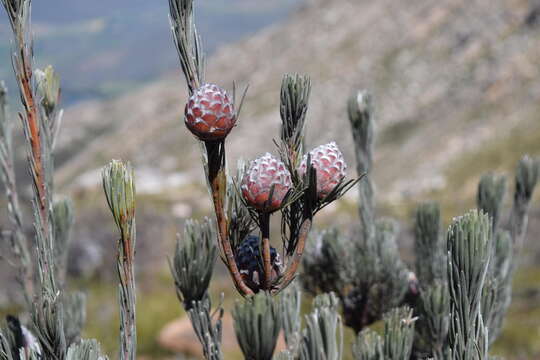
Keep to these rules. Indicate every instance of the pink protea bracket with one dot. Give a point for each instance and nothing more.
(330, 166)
(210, 113)
(266, 183)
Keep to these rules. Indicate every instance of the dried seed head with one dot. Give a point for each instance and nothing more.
(331, 168)
(266, 175)
(210, 113)
(250, 262)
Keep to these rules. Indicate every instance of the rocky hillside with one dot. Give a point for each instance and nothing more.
(455, 83)
(105, 48)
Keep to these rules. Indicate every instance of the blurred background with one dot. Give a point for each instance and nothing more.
(456, 88)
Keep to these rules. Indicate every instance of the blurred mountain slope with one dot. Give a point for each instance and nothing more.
(455, 84)
(104, 48)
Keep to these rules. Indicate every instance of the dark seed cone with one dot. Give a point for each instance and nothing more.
(250, 262)
(210, 113)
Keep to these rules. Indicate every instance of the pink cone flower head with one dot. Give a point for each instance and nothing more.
(328, 161)
(263, 173)
(210, 113)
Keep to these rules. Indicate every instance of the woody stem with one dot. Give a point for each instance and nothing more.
(218, 182)
(264, 220)
(23, 69)
(298, 252)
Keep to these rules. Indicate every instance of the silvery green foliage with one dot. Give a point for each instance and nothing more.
(294, 99)
(497, 290)
(490, 196)
(192, 268)
(395, 343)
(187, 42)
(361, 117)
(56, 318)
(325, 264)
(47, 309)
(379, 278)
(119, 187)
(5, 348)
(527, 173)
(364, 270)
(48, 89)
(74, 316)
(241, 222)
(469, 244)
(20, 256)
(194, 260)
(39, 96)
(85, 350)
(368, 346)
(17, 341)
(48, 326)
(257, 323)
(290, 301)
(207, 327)
(433, 304)
(429, 245)
(284, 355)
(367, 274)
(433, 309)
(498, 286)
(322, 337)
(29, 355)
(10, 339)
(398, 333)
(63, 223)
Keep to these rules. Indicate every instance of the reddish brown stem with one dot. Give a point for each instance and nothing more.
(32, 119)
(264, 219)
(217, 180)
(24, 73)
(299, 251)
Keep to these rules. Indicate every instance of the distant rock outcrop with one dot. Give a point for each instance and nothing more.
(178, 336)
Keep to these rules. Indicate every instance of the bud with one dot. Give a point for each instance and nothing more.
(330, 166)
(209, 113)
(265, 175)
(119, 187)
(250, 262)
(48, 83)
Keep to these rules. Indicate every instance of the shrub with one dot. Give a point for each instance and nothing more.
(451, 306)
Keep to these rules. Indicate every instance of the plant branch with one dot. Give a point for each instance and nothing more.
(37, 135)
(18, 239)
(289, 274)
(360, 111)
(119, 188)
(215, 152)
(264, 219)
(187, 42)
